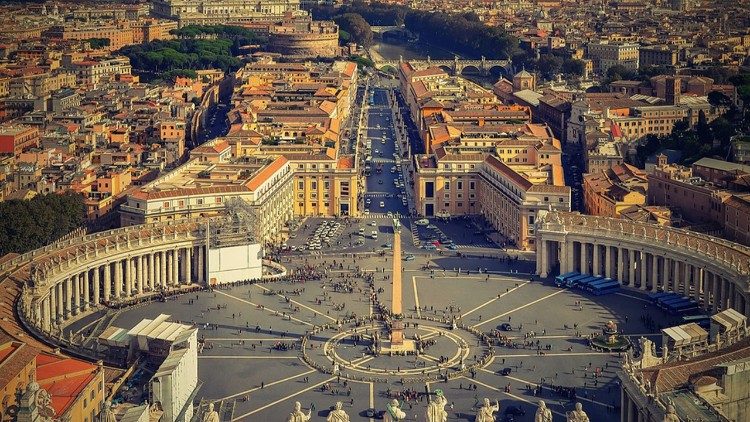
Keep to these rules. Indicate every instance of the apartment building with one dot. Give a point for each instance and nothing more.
(608, 192)
(605, 54)
(507, 179)
(201, 188)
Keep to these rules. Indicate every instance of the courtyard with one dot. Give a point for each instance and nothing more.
(251, 338)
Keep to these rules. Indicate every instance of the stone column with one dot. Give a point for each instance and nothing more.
(59, 304)
(168, 265)
(654, 272)
(86, 290)
(188, 265)
(68, 297)
(107, 282)
(624, 405)
(584, 259)
(163, 269)
(118, 279)
(141, 273)
(728, 289)
(76, 285)
(620, 266)
(570, 255)
(678, 281)
(128, 276)
(596, 258)
(46, 317)
(642, 263)
(717, 292)
(201, 274)
(608, 263)
(151, 273)
(631, 267)
(175, 267)
(95, 286)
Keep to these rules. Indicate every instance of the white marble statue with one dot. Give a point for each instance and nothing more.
(211, 415)
(671, 415)
(297, 415)
(543, 414)
(487, 412)
(393, 412)
(338, 414)
(436, 408)
(578, 415)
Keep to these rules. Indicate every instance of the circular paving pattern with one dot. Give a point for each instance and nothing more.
(444, 352)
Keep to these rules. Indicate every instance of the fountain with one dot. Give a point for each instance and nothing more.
(611, 340)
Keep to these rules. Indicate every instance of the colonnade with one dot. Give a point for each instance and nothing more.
(662, 259)
(122, 277)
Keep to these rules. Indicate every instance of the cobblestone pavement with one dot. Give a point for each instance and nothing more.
(240, 363)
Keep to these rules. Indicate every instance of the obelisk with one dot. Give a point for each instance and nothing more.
(397, 326)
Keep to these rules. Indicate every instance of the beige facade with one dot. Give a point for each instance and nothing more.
(507, 182)
(201, 189)
(606, 55)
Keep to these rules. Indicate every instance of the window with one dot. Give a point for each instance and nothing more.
(531, 219)
(460, 204)
(326, 185)
(471, 185)
(314, 185)
(300, 185)
(459, 185)
(447, 186)
(546, 199)
(218, 199)
(200, 201)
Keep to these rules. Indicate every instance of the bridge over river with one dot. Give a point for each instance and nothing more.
(456, 66)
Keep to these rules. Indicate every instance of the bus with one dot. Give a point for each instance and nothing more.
(656, 296)
(682, 308)
(668, 296)
(594, 284)
(701, 319)
(582, 284)
(560, 279)
(606, 288)
(572, 280)
(667, 304)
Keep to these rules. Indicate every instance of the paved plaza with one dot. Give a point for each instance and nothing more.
(251, 350)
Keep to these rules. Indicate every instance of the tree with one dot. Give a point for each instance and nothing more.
(719, 99)
(549, 66)
(573, 67)
(357, 27)
(27, 225)
(97, 43)
(344, 37)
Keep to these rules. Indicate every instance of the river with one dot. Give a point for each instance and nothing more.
(390, 51)
(382, 50)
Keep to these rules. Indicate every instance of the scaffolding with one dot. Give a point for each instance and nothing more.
(237, 226)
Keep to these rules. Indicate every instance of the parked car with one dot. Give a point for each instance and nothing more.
(504, 371)
(506, 327)
(409, 258)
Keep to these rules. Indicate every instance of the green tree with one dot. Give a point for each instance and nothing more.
(357, 27)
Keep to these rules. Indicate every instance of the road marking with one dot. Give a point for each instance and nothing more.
(372, 398)
(520, 307)
(295, 302)
(416, 296)
(495, 298)
(510, 394)
(265, 308)
(312, 387)
(544, 386)
(268, 385)
(247, 357)
(252, 339)
(551, 354)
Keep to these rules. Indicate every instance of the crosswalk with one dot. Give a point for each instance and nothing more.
(377, 194)
(381, 216)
